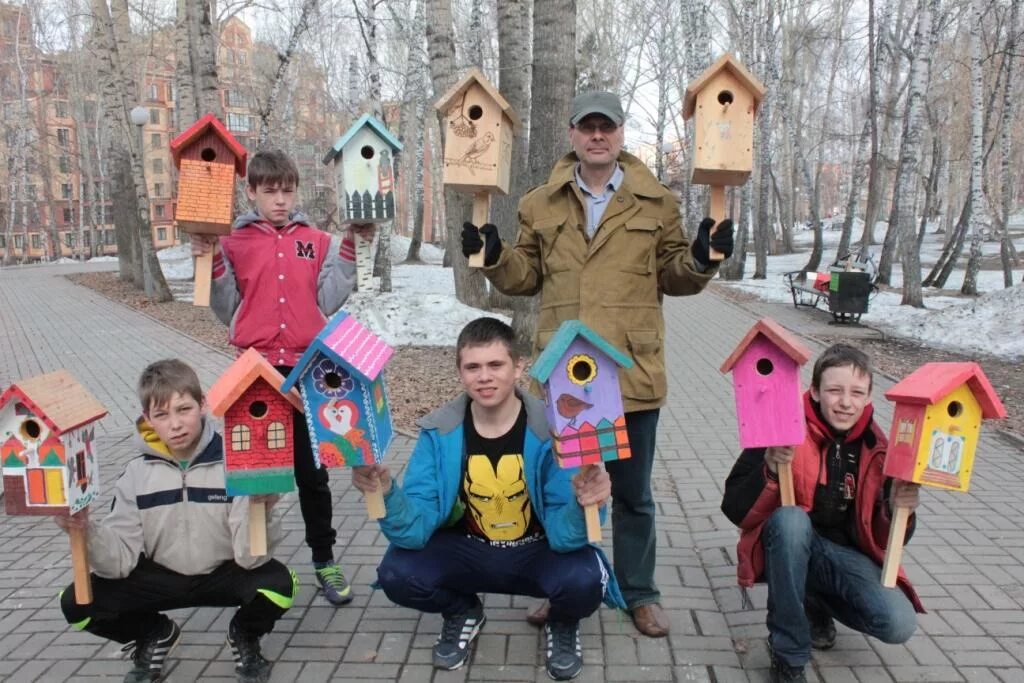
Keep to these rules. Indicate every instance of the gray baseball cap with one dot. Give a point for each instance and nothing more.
(606, 104)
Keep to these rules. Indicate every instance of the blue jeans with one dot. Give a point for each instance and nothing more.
(633, 512)
(451, 569)
(846, 582)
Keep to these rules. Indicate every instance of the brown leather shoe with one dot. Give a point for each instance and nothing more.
(651, 620)
(539, 614)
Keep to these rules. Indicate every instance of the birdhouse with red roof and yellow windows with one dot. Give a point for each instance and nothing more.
(937, 422)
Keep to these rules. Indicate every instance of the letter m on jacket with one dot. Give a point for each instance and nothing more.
(304, 250)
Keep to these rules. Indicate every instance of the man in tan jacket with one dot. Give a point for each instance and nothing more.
(601, 242)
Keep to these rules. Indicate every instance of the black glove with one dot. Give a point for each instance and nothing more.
(721, 241)
(486, 238)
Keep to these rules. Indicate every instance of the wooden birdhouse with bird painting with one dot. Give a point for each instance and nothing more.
(47, 437)
(479, 125)
(365, 171)
(765, 368)
(723, 101)
(936, 424)
(579, 371)
(258, 422)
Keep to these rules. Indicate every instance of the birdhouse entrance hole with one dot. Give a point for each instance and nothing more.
(367, 152)
(765, 366)
(332, 380)
(475, 112)
(208, 154)
(955, 408)
(30, 429)
(725, 97)
(582, 369)
(258, 409)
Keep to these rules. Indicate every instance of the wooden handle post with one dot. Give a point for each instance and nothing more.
(375, 504)
(786, 484)
(894, 551)
(718, 214)
(364, 262)
(257, 528)
(481, 214)
(593, 517)
(203, 277)
(80, 565)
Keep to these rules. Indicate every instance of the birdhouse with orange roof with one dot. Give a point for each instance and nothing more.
(365, 169)
(47, 440)
(341, 380)
(479, 126)
(765, 368)
(936, 424)
(258, 423)
(579, 371)
(723, 101)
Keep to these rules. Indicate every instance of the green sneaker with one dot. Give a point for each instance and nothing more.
(332, 582)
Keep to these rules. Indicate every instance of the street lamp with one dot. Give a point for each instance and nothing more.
(140, 116)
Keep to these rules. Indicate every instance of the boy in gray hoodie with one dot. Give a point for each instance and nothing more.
(174, 539)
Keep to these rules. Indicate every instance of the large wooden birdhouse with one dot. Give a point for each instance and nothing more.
(365, 170)
(579, 371)
(724, 101)
(208, 158)
(340, 377)
(936, 424)
(258, 422)
(765, 368)
(47, 435)
(479, 125)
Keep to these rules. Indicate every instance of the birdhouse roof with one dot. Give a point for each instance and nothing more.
(563, 338)
(778, 335)
(345, 341)
(366, 120)
(933, 381)
(241, 375)
(728, 63)
(198, 129)
(57, 399)
(472, 76)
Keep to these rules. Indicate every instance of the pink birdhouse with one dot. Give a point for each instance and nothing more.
(766, 378)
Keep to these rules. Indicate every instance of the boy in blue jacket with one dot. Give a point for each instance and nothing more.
(484, 508)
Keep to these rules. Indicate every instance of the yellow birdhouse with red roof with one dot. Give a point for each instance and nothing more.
(936, 424)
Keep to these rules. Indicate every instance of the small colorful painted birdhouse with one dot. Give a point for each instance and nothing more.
(724, 100)
(208, 157)
(765, 370)
(479, 125)
(340, 377)
(580, 374)
(258, 423)
(365, 170)
(936, 423)
(47, 440)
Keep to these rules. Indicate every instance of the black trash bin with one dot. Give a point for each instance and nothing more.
(848, 295)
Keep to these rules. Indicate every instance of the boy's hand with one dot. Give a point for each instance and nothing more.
(363, 230)
(202, 244)
(592, 485)
(268, 499)
(778, 455)
(78, 521)
(370, 478)
(904, 494)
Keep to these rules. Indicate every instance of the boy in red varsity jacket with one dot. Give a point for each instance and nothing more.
(822, 557)
(276, 279)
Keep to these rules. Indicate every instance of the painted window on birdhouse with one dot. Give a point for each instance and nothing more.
(275, 435)
(905, 432)
(240, 438)
(582, 369)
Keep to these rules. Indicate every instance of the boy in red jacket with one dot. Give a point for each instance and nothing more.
(276, 279)
(822, 557)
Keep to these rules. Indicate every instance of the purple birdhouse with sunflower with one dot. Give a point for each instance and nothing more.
(580, 374)
(341, 380)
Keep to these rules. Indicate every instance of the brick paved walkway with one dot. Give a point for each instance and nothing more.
(967, 558)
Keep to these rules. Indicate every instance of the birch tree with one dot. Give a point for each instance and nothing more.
(1006, 147)
(195, 75)
(977, 216)
(266, 108)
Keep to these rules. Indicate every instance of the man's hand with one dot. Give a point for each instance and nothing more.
(592, 485)
(486, 238)
(904, 494)
(78, 521)
(370, 478)
(721, 241)
(203, 244)
(778, 455)
(268, 499)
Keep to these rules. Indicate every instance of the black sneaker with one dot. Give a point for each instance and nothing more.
(563, 658)
(149, 653)
(823, 628)
(333, 583)
(452, 647)
(250, 666)
(784, 673)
